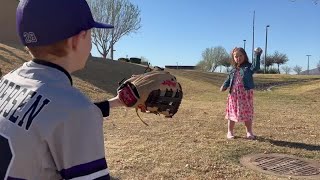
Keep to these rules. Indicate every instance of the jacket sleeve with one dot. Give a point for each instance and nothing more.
(226, 83)
(256, 63)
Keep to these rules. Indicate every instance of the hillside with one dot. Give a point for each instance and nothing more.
(105, 75)
(315, 71)
(99, 75)
(8, 21)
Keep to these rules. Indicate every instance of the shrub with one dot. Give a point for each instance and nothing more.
(123, 59)
(269, 71)
(273, 71)
(145, 63)
(135, 60)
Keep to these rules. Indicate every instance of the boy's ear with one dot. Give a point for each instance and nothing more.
(77, 38)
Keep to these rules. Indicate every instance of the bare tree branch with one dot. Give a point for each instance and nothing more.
(314, 1)
(286, 69)
(124, 16)
(297, 69)
(212, 58)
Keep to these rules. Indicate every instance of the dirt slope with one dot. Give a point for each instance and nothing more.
(103, 75)
(106, 74)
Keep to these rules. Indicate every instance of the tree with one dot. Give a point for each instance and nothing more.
(286, 69)
(122, 14)
(269, 62)
(279, 58)
(226, 62)
(314, 1)
(297, 69)
(145, 61)
(212, 58)
(202, 66)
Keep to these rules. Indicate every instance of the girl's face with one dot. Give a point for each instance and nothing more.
(238, 57)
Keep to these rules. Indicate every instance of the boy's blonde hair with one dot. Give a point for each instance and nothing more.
(58, 49)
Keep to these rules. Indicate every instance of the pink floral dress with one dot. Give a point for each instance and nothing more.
(240, 101)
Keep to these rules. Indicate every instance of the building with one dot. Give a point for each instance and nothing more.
(180, 67)
(315, 71)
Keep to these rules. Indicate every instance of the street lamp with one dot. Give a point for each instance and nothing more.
(265, 50)
(244, 44)
(308, 64)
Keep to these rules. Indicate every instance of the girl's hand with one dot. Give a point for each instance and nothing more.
(258, 51)
(223, 88)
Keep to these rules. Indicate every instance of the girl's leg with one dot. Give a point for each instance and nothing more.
(230, 134)
(248, 125)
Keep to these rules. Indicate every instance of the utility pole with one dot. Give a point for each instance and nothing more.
(244, 44)
(254, 14)
(308, 64)
(112, 31)
(265, 50)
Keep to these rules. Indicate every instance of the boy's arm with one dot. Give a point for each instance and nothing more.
(106, 105)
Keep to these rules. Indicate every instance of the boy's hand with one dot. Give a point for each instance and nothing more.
(115, 102)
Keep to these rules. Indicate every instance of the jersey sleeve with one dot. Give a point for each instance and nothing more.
(77, 145)
(104, 107)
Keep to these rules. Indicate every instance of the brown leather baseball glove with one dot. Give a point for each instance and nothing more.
(156, 92)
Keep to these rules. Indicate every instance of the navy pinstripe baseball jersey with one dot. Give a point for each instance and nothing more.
(48, 128)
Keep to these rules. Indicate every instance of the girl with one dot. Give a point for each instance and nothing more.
(240, 84)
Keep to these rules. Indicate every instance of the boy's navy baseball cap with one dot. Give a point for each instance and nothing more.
(43, 22)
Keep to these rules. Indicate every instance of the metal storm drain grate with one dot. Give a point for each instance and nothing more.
(284, 165)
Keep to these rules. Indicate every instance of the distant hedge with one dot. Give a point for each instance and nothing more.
(146, 63)
(123, 59)
(135, 60)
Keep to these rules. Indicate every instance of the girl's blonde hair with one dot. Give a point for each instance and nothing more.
(236, 49)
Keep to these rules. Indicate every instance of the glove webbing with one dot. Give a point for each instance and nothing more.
(166, 102)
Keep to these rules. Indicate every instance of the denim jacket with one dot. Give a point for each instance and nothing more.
(246, 72)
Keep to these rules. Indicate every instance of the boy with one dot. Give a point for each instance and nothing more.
(48, 128)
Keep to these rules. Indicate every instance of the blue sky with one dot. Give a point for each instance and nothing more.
(178, 31)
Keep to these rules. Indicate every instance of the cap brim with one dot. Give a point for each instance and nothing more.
(101, 25)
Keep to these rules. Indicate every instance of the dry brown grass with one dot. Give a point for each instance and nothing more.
(192, 145)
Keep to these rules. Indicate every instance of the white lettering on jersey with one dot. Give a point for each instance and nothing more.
(20, 104)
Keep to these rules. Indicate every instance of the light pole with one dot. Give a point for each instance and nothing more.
(244, 44)
(308, 64)
(265, 50)
(112, 52)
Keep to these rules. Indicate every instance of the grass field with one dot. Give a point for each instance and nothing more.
(193, 144)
